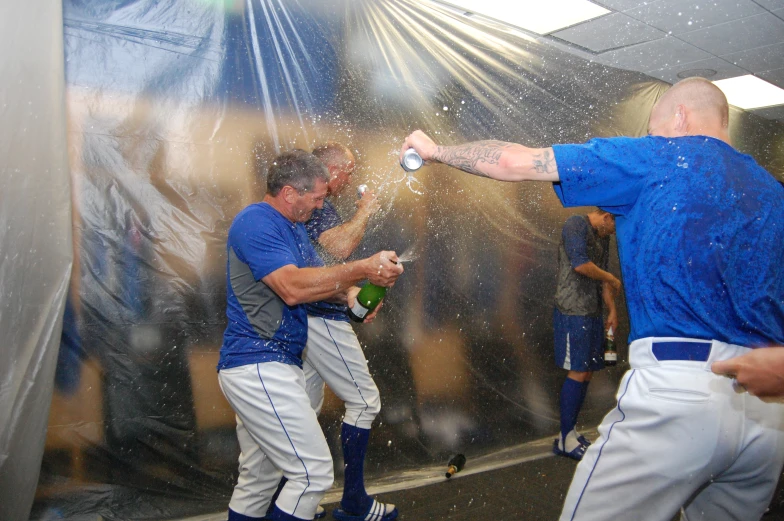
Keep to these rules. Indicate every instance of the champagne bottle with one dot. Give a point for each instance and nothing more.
(367, 300)
(456, 464)
(610, 355)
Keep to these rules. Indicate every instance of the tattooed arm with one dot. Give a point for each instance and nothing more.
(494, 159)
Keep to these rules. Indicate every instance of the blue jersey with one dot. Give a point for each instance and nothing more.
(320, 221)
(700, 234)
(577, 294)
(262, 328)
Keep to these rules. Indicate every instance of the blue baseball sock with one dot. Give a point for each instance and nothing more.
(271, 507)
(280, 515)
(572, 396)
(354, 441)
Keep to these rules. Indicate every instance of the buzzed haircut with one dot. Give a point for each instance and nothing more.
(699, 95)
(333, 153)
(297, 169)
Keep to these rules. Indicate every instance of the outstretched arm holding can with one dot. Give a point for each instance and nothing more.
(498, 160)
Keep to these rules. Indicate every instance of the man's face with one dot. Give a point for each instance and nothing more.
(341, 176)
(304, 204)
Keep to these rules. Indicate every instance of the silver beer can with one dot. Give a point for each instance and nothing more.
(411, 160)
(361, 190)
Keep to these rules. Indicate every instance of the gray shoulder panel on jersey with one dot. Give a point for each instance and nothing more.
(262, 306)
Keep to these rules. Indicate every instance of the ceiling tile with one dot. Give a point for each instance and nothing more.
(738, 35)
(771, 113)
(678, 17)
(650, 56)
(771, 4)
(723, 70)
(609, 32)
(759, 59)
(776, 77)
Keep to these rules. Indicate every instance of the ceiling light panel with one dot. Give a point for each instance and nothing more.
(750, 92)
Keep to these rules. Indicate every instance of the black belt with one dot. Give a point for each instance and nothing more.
(675, 350)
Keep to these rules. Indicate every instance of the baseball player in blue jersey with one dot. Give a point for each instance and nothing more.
(333, 353)
(583, 285)
(701, 244)
(272, 272)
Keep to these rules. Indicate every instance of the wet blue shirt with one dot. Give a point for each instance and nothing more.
(322, 220)
(262, 328)
(700, 232)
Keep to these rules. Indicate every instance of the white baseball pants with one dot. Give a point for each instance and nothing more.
(279, 435)
(333, 355)
(680, 436)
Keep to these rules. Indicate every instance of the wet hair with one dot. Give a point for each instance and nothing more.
(297, 169)
(333, 154)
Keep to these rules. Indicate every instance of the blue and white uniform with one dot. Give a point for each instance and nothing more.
(578, 325)
(260, 371)
(334, 355)
(701, 243)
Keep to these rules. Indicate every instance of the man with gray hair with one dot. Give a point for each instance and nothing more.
(272, 272)
(701, 245)
(334, 354)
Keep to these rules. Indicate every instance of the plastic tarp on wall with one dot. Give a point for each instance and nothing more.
(36, 251)
(175, 109)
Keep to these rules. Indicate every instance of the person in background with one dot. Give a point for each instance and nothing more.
(583, 285)
(272, 272)
(701, 245)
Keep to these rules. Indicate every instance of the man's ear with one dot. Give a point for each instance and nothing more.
(289, 194)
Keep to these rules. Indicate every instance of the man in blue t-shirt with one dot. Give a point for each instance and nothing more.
(701, 244)
(272, 273)
(583, 285)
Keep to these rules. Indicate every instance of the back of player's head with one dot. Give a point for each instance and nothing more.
(700, 96)
(295, 168)
(333, 154)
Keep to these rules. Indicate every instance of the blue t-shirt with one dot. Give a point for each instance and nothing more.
(320, 221)
(261, 327)
(700, 231)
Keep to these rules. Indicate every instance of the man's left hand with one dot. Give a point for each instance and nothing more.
(611, 321)
(760, 371)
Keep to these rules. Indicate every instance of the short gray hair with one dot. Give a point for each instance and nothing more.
(297, 169)
(333, 154)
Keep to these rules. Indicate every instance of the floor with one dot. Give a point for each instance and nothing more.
(525, 482)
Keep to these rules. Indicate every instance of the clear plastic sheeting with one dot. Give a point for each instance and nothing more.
(36, 252)
(175, 109)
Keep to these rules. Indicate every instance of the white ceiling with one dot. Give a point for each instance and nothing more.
(673, 39)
